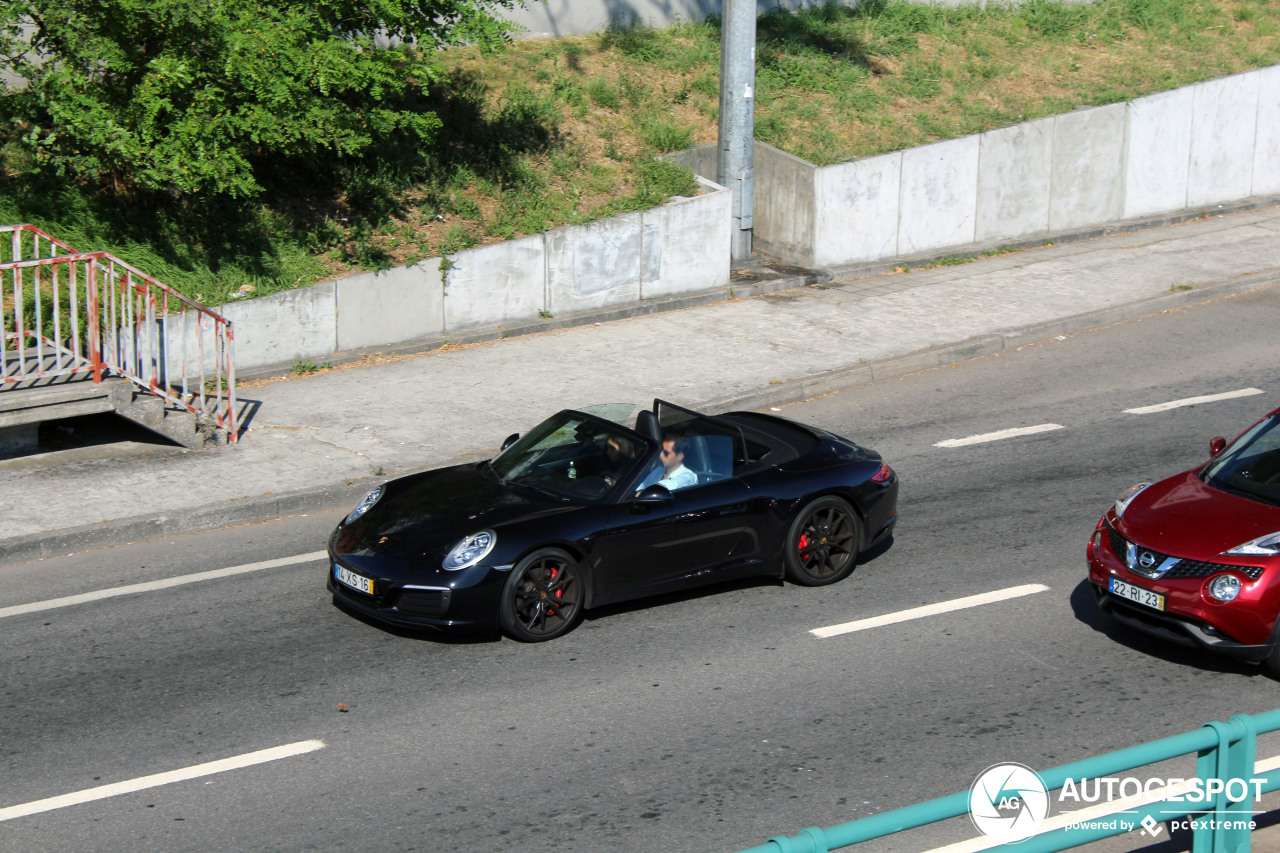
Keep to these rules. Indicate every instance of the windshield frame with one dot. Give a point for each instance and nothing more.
(503, 464)
(1220, 472)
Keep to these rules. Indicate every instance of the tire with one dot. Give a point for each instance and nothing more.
(543, 597)
(822, 544)
(1271, 663)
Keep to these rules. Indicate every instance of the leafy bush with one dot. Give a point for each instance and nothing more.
(200, 99)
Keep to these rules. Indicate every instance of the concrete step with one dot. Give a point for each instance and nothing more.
(23, 406)
(20, 406)
(175, 424)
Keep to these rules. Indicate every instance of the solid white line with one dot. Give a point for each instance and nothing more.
(151, 586)
(996, 436)
(115, 789)
(1193, 401)
(930, 610)
(1101, 810)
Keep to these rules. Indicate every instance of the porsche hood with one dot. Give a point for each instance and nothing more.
(427, 514)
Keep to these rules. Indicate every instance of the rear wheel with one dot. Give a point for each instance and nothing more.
(543, 597)
(822, 545)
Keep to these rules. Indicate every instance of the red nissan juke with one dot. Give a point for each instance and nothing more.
(1195, 558)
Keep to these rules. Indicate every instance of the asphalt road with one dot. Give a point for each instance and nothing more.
(703, 722)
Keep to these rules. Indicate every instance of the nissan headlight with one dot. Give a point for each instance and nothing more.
(365, 504)
(1263, 546)
(1127, 496)
(1224, 587)
(471, 550)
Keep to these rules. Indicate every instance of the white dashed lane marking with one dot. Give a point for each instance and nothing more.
(997, 436)
(930, 610)
(129, 786)
(151, 586)
(1193, 401)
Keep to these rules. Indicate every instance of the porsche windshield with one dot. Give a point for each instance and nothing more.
(1250, 467)
(571, 457)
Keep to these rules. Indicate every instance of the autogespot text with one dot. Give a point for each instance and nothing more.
(1174, 790)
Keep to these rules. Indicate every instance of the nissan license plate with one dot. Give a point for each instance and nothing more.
(360, 583)
(1145, 597)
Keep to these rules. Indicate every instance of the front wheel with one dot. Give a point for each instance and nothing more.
(822, 545)
(543, 597)
(1271, 663)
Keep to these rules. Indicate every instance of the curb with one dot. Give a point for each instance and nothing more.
(797, 390)
(261, 508)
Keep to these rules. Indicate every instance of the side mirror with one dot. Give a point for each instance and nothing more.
(511, 439)
(654, 495)
(1216, 444)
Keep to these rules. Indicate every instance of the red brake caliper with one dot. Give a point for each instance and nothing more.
(551, 611)
(804, 541)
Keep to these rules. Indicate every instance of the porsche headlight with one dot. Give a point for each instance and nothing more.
(1263, 546)
(365, 503)
(1127, 496)
(471, 550)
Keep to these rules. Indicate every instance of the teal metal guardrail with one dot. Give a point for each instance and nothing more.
(1224, 751)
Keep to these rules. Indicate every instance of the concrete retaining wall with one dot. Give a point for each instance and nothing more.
(678, 247)
(1188, 149)
(397, 305)
(285, 326)
(553, 18)
(687, 245)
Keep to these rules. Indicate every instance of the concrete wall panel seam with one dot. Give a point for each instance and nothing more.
(1257, 134)
(1195, 119)
(1124, 155)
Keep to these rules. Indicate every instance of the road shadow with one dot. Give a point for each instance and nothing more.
(454, 637)
(464, 636)
(664, 599)
(1084, 606)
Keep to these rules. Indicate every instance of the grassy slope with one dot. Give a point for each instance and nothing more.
(558, 132)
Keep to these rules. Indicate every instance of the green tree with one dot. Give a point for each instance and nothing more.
(203, 97)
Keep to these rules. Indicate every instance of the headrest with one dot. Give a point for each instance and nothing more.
(647, 425)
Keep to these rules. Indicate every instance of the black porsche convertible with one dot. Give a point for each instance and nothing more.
(584, 511)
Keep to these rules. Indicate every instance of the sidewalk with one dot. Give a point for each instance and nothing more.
(322, 440)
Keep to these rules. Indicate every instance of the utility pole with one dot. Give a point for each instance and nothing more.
(735, 166)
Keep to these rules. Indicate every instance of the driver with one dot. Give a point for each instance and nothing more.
(674, 474)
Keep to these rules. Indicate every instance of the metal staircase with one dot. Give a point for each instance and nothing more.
(86, 332)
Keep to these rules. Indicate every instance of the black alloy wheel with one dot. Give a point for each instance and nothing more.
(543, 597)
(822, 547)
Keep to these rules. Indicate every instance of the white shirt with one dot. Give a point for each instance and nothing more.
(680, 478)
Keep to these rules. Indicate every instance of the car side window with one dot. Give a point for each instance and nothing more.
(709, 458)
